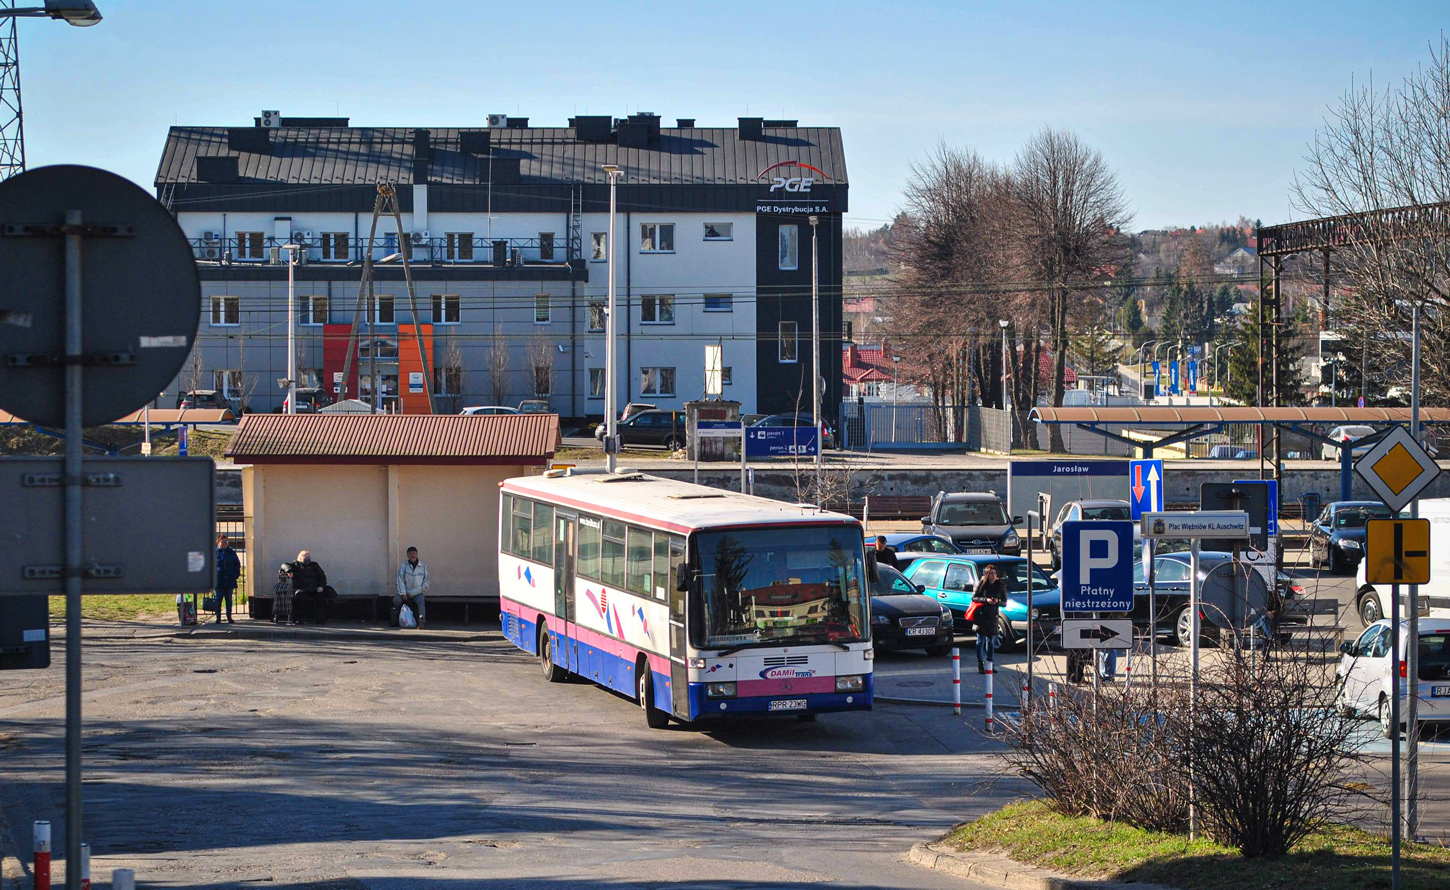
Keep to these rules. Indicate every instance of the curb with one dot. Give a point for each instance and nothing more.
(268, 631)
(1009, 873)
(924, 702)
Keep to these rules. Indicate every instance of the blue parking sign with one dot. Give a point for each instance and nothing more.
(1097, 566)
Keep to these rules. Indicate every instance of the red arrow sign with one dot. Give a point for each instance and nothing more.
(1138, 483)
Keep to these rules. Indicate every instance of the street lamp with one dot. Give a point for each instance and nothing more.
(81, 13)
(1230, 348)
(292, 249)
(611, 415)
(816, 349)
(1006, 402)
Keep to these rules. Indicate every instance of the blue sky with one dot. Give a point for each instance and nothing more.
(1205, 110)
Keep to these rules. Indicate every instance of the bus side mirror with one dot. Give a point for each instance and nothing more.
(871, 573)
(682, 578)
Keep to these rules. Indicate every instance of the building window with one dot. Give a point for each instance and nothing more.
(541, 309)
(719, 231)
(334, 246)
(658, 309)
(597, 315)
(657, 381)
(599, 242)
(249, 245)
(656, 237)
(448, 381)
(226, 311)
(788, 341)
(725, 375)
(596, 383)
(384, 309)
(309, 377)
(228, 383)
(312, 310)
(719, 303)
(546, 247)
(458, 246)
(447, 308)
(789, 248)
(387, 348)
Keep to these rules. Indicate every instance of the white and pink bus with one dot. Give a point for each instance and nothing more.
(700, 602)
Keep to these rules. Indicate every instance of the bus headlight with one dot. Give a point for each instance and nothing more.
(854, 683)
(719, 690)
(697, 663)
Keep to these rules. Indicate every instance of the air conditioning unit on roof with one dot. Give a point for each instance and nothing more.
(271, 119)
(498, 120)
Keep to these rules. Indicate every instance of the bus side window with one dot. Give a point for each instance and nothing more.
(523, 520)
(589, 547)
(677, 559)
(663, 578)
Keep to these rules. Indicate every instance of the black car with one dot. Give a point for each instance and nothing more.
(795, 420)
(976, 522)
(658, 428)
(1171, 574)
(902, 618)
(1336, 541)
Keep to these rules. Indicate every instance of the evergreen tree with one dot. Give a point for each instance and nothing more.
(1242, 378)
(1096, 353)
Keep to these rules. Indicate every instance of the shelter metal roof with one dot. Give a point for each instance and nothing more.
(529, 439)
(1160, 416)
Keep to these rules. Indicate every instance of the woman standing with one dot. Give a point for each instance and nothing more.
(228, 570)
(988, 598)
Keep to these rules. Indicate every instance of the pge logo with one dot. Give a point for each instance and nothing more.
(792, 183)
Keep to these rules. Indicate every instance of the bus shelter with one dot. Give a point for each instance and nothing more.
(1191, 422)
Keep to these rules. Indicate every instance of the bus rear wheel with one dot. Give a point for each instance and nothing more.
(654, 718)
(552, 672)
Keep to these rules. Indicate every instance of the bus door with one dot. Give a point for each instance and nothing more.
(565, 525)
(679, 673)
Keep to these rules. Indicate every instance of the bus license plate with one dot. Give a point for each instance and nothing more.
(921, 631)
(788, 704)
(1440, 691)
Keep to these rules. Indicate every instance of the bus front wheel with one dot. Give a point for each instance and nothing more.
(653, 716)
(552, 672)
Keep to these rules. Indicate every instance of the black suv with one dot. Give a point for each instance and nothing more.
(975, 522)
(659, 428)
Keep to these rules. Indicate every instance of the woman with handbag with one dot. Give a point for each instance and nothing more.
(986, 600)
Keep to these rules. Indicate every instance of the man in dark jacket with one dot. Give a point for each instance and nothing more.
(228, 570)
(885, 555)
(311, 595)
(989, 596)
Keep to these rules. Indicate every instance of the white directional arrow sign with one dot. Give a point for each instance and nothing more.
(1097, 633)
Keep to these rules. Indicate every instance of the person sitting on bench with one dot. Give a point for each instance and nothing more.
(312, 598)
(412, 588)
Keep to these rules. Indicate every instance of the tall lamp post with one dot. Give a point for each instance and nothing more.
(611, 413)
(1142, 355)
(816, 349)
(895, 390)
(1006, 366)
(292, 327)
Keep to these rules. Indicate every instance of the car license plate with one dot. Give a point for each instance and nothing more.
(788, 704)
(1440, 691)
(921, 631)
(971, 550)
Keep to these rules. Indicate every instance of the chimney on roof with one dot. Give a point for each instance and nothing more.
(685, 123)
(517, 123)
(592, 127)
(751, 128)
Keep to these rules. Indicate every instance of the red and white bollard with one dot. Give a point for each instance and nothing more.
(1051, 695)
(85, 867)
(987, 694)
(123, 879)
(42, 856)
(956, 681)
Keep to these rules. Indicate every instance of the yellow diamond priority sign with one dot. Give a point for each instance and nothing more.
(1397, 468)
(1397, 551)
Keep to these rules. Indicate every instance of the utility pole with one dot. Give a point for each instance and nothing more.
(12, 121)
(1412, 646)
(816, 350)
(611, 409)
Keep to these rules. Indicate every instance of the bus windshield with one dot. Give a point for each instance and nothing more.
(781, 586)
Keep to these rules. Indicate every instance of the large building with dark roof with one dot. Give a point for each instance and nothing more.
(505, 230)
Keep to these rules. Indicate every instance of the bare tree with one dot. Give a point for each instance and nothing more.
(450, 381)
(541, 367)
(496, 366)
(194, 370)
(1380, 151)
(1070, 213)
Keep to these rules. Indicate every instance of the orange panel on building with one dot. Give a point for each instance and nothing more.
(413, 389)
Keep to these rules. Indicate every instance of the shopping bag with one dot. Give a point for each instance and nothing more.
(406, 619)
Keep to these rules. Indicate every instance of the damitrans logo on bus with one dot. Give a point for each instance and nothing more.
(785, 673)
(795, 184)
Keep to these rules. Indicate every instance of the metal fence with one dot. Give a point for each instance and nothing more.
(865, 426)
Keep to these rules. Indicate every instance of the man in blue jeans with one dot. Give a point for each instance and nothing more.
(988, 598)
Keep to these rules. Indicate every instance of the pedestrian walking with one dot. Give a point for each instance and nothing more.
(412, 587)
(228, 571)
(988, 598)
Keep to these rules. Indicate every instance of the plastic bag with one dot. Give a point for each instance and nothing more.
(406, 619)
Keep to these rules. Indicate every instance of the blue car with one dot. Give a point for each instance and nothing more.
(952, 579)
(915, 545)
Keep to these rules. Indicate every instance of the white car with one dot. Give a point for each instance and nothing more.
(1364, 673)
(1347, 434)
(489, 409)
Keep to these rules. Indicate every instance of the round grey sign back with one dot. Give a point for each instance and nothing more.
(141, 297)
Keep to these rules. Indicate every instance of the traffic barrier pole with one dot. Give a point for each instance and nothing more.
(42, 855)
(123, 879)
(956, 681)
(85, 866)
(988, 696)
(1051, 695)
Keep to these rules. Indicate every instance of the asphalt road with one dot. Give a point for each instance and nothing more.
(223, 762)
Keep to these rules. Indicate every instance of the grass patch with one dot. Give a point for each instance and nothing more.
(1338, 858)
(119, 608)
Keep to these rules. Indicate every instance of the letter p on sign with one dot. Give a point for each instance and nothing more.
(1089, 561)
